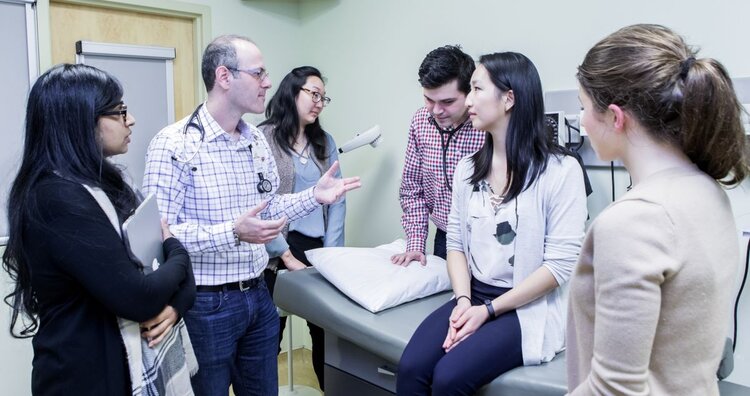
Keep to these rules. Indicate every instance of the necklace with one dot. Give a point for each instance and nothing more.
(496, 200)
(304, 154)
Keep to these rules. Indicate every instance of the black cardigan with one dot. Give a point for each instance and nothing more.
(83, 279)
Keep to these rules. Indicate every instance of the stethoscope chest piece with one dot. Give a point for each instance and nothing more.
(264, 186)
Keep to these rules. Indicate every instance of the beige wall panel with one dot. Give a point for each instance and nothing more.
(70, 23)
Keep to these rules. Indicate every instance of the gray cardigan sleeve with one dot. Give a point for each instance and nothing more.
(565, 212)
(277, 246)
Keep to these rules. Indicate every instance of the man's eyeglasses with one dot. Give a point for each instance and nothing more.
(123, 111)
(317, 97)
(259, 73)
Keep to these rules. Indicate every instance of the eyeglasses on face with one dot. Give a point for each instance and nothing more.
(317, 97)
(259, 73)
(123, 111)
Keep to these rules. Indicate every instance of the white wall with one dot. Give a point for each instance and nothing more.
(15, 354)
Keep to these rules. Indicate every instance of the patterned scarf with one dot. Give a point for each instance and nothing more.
(165, 369)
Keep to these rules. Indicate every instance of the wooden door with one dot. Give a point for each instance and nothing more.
(73, 22)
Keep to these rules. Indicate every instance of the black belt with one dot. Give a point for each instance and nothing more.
(239, 285)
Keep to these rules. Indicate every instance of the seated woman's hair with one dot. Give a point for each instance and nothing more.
(650, 72)
(527, 144)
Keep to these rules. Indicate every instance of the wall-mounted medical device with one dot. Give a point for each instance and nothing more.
(371, 136)
(553, 122)
(566, 104)
(563, 129)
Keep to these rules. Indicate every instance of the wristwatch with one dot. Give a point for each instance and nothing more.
(490, 309)
(236, 236)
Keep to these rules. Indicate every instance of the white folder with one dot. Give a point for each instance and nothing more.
(142, 234)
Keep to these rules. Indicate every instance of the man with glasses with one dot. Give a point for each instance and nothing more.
(440, 135)
(214, 181)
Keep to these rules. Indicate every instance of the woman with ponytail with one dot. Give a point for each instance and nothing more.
(649, 300)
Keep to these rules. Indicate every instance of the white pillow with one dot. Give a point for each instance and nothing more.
(367, 276)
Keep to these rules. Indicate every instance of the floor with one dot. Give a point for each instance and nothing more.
(303, 370)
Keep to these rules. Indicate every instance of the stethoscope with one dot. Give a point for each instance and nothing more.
(264, 185)
(197, 125)
(444, 145)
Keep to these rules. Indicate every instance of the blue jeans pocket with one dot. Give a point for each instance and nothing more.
(207, 302)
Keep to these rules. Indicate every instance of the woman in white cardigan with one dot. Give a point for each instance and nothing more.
(514, 234)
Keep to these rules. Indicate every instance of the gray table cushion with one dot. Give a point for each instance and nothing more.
(307, 294)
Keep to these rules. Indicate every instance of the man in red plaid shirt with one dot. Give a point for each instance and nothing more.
(439, 136)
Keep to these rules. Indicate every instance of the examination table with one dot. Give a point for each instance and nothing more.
(363, 349)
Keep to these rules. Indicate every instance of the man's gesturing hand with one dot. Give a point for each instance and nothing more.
(329, 188)
(253, 229)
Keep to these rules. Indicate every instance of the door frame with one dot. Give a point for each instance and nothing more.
(199, 14)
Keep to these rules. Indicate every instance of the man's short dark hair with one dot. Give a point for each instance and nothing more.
(445, 64)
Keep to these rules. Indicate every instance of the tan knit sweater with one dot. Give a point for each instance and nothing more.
(651, 296)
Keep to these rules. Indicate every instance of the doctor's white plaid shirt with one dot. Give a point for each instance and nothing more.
(203, 187)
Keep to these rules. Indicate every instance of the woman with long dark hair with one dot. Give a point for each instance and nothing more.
(515, 228)
(303, 152)
(650, 295)
(73, 273)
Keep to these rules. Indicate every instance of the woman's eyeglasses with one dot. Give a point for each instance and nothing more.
(317, 97)
(123, 111)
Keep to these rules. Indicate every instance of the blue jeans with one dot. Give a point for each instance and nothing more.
(235, 336)
(426, 369)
